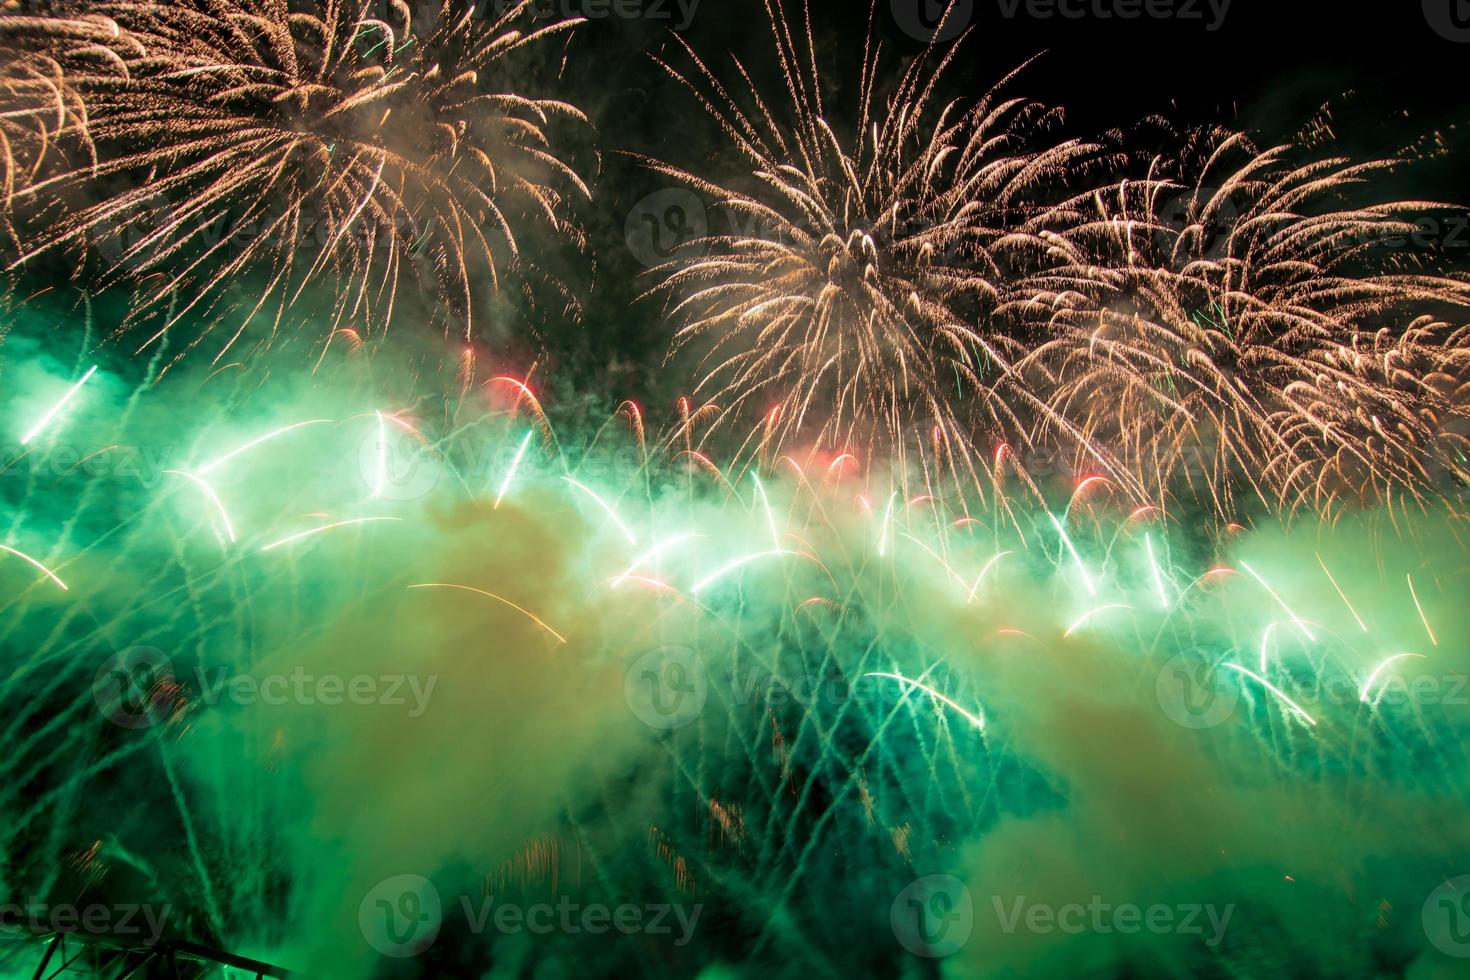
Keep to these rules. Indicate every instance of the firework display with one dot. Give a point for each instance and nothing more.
(1040, 556)
(1227, 319)
(234, 132)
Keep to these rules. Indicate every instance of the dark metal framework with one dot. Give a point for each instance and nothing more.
(70, 954)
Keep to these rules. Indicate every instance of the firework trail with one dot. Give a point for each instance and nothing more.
(1233, 322)
(327, 150)
(37, 102)
(879, 681)
(775, 684)
(950, 278)
(856, 296)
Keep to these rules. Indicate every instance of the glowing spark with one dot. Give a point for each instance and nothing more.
(326, 527)
(1422, 618)
(1093, 612)
(838, 463)
(607, 509)
(1158, 576)
(770, 517)
(655, 584)
(883, 528)
(46, 419)
(652, 553)
(520, 609)
(936, 556)
(973, 719)
(349, 163)
(731, 566)
(381, 476)
(511, 473)
(1076, 558)
(214, 497)
(1368, 684)
(256, 442)
(46, 571)
(1342, 594)
(1265, 643)
(981, 577)
(1081, 489)
(1297, 620)
(1276, 691)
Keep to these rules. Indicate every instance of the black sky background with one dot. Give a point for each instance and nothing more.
(1388, 74)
